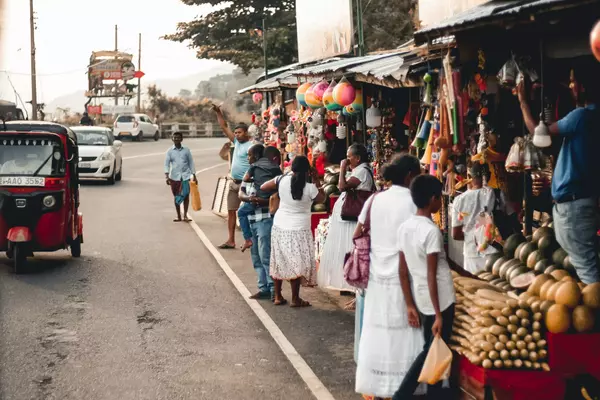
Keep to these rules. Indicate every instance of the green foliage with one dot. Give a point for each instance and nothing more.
(228, 33)
(387, 24)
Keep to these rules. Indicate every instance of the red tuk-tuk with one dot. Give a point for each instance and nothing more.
(39, 190)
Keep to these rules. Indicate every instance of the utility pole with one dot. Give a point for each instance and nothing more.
(116, 57)
(34, 105)
(264, 34)
(139, 68)
(361, 33)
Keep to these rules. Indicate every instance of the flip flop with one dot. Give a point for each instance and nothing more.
(177, 220)
(226, 246)
(281, 302)
(301, 304)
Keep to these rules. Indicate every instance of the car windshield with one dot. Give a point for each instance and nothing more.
(29, 157)
(92, 138)
(126, 118)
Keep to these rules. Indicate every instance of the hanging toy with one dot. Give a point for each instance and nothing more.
(423, 136)
(595, 40)
(428, 98)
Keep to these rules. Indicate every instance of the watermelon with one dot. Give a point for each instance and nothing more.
(511, 244)
(551, 269)
(540, 232)
(490, 260)
(518, 270)
(533, 258)
(319, 208)
(332, 179)
(497, 264)
(330, 190)
(504, 268)
(541, 266)
(548, 244)
(558, 257)
(522, 281)
(526, 251)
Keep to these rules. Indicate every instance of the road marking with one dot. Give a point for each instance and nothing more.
(164, 152)
(306, 373)
(213, 167)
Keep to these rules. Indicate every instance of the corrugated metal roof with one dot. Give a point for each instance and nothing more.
(285, 79)
(381, 68)
(336, 65)
(274, 72)
(491, 11)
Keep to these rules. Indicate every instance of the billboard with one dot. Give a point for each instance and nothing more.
(113, 70)
(325, 29)
(434, 11)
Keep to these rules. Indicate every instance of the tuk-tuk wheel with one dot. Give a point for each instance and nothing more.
(19, 258)
(76, 248)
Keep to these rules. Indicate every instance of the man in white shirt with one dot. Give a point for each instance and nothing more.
(431, 299)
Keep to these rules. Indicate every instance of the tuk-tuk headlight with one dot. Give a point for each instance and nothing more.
(49, 201)
(106, 156)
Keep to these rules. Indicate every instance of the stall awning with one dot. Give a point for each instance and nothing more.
(277, 71)
(283, 80)
(334, 67)
(493, 12)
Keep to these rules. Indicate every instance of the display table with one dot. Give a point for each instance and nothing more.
(574, 354)
(315, 218)
(508, 384)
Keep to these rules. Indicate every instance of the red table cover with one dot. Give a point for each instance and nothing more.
(572, 354)
(315, 218)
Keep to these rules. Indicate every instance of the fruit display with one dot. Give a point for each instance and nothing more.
(330, 181)
(494, 330)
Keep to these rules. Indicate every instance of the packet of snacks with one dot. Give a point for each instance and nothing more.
(516, 156)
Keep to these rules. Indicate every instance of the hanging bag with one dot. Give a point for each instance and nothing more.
(358, 261)
(355, 201)
(437, 364)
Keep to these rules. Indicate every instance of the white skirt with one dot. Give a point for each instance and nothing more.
(339, 242)
(292, 255)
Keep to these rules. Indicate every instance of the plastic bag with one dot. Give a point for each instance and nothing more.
(437, 364)
(516, 156)
(195, 196)
(507, 76)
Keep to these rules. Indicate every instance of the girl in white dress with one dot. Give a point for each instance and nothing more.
(388, 345)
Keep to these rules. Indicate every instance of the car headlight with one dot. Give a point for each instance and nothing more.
(49, 201)
(106, 156)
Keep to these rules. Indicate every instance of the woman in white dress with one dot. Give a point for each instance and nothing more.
(292, 246)
(388, 345)
(339, 239)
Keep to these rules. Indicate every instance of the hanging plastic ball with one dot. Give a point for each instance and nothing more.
(328, 101)
(344, 93)
(257, 98)
(595, 40)
(319, 90)
(311, 98)
(357, 104)
(301, 93)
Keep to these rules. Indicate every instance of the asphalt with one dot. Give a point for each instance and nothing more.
(147, 313)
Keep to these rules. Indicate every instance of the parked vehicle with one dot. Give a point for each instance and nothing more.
(136, 126)
(39, 190)
(10, 112)
(99, 153)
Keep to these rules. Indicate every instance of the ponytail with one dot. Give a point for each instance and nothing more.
(300, 168)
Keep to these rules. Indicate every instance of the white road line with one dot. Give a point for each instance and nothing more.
(213, 167)
(306, 373)
(164, 152)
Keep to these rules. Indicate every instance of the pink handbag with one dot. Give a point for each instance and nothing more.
(358, 261)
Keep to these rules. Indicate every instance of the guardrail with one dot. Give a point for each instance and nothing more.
(191, 130)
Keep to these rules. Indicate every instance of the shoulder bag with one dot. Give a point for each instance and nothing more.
(355, 200)
(357, 262)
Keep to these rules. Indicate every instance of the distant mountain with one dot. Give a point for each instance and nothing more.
(75, 101)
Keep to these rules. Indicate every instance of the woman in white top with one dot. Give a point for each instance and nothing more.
(292, 246)
(339, 239)
(388, 344)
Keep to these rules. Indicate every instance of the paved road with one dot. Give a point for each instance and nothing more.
(147, 313)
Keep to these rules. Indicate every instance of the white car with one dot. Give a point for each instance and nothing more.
(135, 126)
(99, 153)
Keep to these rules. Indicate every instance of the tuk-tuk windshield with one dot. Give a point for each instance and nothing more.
(31, 157)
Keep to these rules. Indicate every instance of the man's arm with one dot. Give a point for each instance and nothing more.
(191, 164)
(413, 314)
(530, 122)
(167, 164)
(223, 124)
(432, 267)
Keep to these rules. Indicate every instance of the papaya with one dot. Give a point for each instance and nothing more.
(526, 251)
(511, 244)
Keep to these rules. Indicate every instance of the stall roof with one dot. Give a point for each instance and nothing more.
(285, 79)
(493, 11)
(336, 65)
(276, 71)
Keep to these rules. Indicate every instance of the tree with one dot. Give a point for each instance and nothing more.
(387, 24)
(229, 32)
(185, 93)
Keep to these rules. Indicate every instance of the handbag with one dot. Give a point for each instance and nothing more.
(274, 200)
(195, 196)
(357, 262)
(355, 200)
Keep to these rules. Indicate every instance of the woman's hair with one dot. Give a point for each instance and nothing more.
(360, 151)
(400, 167)
(301, 169)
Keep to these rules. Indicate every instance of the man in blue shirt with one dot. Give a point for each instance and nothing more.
(575, 184)
(179, 169)
(239, 165)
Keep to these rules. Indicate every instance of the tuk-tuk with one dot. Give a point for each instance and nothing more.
(39, 190)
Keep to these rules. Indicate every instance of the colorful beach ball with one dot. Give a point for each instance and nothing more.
(311, 99)
(319, 90)
(328, 101)
(344, 93)
(357, 104)
(257, 98)
(301, 93)
(595, 40)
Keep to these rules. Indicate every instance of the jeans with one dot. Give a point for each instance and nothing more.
(409, 384)
(261, 253)
(243, 212)
(576, 227)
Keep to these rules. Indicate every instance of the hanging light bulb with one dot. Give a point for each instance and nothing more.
(541, 135)
(341, 131)
(373, 116)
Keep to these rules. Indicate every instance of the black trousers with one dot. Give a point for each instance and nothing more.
(410, 382)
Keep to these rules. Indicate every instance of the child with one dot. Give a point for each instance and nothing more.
(264, 166)
(423, 261)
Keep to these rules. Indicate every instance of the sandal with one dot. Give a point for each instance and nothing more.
(226, 246)
(300, 304)
(281, 302)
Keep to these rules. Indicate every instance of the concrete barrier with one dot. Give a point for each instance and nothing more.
(191, 130)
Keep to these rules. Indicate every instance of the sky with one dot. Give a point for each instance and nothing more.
(69, 30)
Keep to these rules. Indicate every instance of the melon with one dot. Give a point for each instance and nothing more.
(526, 251)
(541, 232)
(497, 264)
(558, 257)
(332, 179)
(545, 287)
(591, 295)
(584, 319)
(490, 260)
(551, 293)
(537, 283)
(330, 189)
(548, 245)
(504, 268)
(568, 294)
(558, 318)
(559, 274)
(540, 266)
(519, 248)
(522, 280)
(568, 266)
(319, 208)
(551, 269)
(511, 244)
(534, 257)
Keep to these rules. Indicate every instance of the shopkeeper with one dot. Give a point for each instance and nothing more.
(465, 212)
(575, 184)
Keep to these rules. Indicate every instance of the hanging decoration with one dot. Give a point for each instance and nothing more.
(301, 94)
(311, 98)
(257, 98)
(428, 98)
(319, 90)
(357, 104)
(328, 101)
(373, 116)
(595, 40)
(344, 93)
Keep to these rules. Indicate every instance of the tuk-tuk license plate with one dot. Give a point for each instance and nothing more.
(22, 181)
